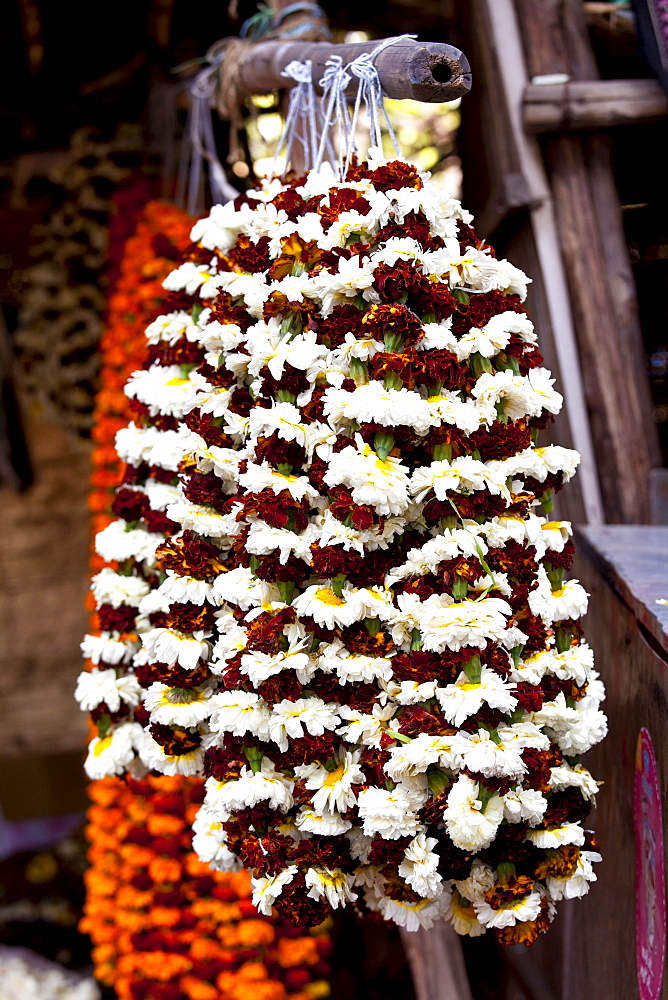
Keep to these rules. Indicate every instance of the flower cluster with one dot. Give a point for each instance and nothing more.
(161, 237)
(164, 926)
(358, 628)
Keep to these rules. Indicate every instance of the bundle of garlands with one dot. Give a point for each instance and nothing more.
(358, 628)
(162, 924)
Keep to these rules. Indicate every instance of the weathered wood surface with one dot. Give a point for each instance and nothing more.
(633, 561)
(423, 71)
(592, 104)
(600, 279)
(437, 963)
(44, 548)
(625, 570)
(495, 146)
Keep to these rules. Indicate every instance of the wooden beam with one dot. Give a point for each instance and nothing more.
(581, 104)
(432, 72)
(600, 279)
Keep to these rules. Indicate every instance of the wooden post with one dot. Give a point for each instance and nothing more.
(580, 104)
(599, 273)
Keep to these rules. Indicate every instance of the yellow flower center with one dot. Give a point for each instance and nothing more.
(102, 746)
(327, 596)
(178, 381)
(334, 776)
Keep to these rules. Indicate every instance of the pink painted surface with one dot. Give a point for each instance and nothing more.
(650, 872)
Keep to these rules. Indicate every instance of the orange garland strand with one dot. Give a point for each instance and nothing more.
(163, 925)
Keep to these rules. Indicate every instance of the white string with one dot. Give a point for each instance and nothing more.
(336, 116)
(370, 92)
(200, 146)
(301, 119)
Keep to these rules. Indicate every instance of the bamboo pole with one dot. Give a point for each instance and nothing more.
(580, 104)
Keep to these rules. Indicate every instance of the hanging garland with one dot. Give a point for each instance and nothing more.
(162, 235)
(360, 632)
(163, 926)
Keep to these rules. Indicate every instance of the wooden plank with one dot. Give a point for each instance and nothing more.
(533, 242)
(592, 104)
(594, 938)
(437, 963)
(592, 239)
(632, 560)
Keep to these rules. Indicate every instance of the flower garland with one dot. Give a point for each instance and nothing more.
(164, 926)
(162, 235)
(360, 631)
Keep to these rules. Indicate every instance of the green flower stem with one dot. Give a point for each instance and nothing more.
(254, 757)
(473, 669)
(416, 640)
(337, 584)
(359, 371)
(286, 589)
(442, 453)
(383, 445)
(437, 780)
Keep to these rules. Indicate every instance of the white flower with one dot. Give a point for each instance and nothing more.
(372, 402)
(419, 867)
(352, 278)
(524, 804)
(239, 586)
(220, 228)
(323, 605)
(448, 408)
(462, 475)
(478, 881)
(266, 785)
(155, 757)
(387, 813)
(168, 646)
(113, 753)
(177, 706)
(117, 542)
(239, 712)
(104, 649)
(267, 890)
(382, 484)
(556, 836)
(334, 787)
(570, 601)
(462, 915)
(410, 692)
(556, 459)
(332, 885)
(260, 667)
(565, 776)
(289, 718)
(193, 278)
(115, 589)
(260, 477)
(97, 686)
(323, 822)
(365, 728)
(163, 389)
(411, 915)
(513, 392)
(413, 758)
(482, 755)
(464, 623)
(576, 884)
(589, 727)
(468, 826)
(517, 910)
(209, 842)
